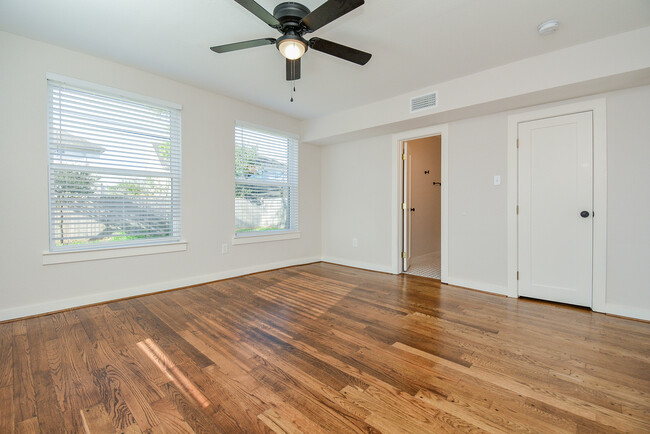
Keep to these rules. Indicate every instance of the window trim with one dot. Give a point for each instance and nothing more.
(257, 237)
(64, 257)
(112, 250)
(276, 235)
(111, 90)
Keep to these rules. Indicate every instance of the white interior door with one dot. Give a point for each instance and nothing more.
(406, 207)
(555, 196)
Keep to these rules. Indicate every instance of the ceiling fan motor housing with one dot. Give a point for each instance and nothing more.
(290, 14)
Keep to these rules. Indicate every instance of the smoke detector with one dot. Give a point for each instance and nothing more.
(548, 27)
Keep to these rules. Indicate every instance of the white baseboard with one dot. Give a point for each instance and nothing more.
(628, 311)
(358, 264)
(67, 303)
(480, 286)
(57, 305)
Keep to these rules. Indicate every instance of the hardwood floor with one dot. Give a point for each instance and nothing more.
(324, 348)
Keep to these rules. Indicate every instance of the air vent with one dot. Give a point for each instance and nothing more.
(423, 102)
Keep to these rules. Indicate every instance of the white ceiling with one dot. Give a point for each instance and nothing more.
(415, 43)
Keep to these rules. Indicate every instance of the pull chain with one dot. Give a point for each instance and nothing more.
(293, 82)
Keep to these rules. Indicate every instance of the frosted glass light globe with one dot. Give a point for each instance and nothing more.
(292, 49)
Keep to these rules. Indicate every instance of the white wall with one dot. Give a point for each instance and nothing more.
(356, 202)
(628, 193)
(28, 287)
(477, 208)
(614, 62)
(348, 187)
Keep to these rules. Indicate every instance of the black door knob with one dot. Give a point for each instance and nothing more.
(412, 209)
(584, 214)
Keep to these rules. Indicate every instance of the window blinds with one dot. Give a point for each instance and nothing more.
(114, 169)
(266, 181)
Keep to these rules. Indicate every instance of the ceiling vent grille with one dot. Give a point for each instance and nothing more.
(423, 102)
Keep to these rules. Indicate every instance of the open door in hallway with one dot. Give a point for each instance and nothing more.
(422, 168)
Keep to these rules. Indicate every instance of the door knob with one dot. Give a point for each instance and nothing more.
(412, 209)
(584, 214)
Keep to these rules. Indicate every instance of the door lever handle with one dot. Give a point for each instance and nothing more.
(437, 183)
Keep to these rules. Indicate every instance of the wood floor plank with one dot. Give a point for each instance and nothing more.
(29, 426)
(96, 420)
(24, 394)
(325, 348)
(288, 420)
(171, 419)
(7, 421)
(49, 414)
(6, 355)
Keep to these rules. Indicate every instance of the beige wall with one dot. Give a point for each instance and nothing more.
(356, 202)
(208, 122)
(478, 209)
(425, 197)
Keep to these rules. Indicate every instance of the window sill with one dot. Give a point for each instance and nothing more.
(50, 258)
(261, 238)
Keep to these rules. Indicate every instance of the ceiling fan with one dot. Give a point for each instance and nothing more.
(294, 20)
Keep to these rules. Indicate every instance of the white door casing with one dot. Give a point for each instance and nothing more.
(397, 235)
(406, 207)
(555, 184)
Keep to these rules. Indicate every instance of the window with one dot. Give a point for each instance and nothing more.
(266, 182)
(114, 168)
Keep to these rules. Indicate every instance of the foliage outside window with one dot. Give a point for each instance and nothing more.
(114, 169)
(266, 181)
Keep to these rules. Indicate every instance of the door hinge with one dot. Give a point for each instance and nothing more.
(404, 156)
(517, 209)
(403, 205)
(517, 275)
(403, 255)
(517, 143)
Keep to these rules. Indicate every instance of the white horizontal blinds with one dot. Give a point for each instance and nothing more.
(114, 169)
(266, 181)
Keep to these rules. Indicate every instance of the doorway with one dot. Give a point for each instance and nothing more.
(399, 217)
(422, 201)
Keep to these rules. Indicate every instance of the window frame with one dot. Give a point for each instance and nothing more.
(294, 205)
(105, 250)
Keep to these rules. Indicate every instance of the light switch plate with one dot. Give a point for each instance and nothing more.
(497, 180)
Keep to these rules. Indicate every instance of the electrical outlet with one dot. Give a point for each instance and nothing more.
(355, 242)
(224, 249)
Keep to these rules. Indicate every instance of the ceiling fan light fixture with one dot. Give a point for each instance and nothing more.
(292, 47)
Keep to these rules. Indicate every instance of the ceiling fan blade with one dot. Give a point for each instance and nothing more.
(293, 69)
(260, 12)
(242, 45)
(328, 12)
(341, 51)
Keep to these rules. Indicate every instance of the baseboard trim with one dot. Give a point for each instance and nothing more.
(479, 286)
(627, 312)
(358, 264)
(21, 312)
